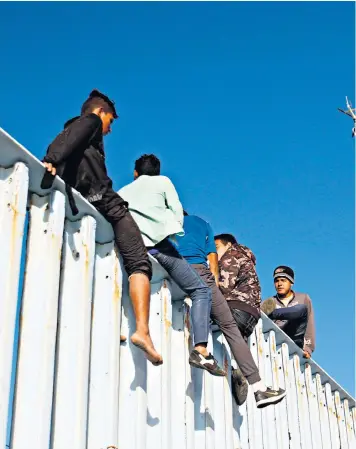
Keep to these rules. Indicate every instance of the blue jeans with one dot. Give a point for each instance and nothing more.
(191, 283)
(297, 321)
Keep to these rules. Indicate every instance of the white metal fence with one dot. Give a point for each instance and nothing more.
(77, 388)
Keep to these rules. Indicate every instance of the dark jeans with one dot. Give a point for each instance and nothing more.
(297, 321)
(190, 282)
(128, 238)
(221, 314)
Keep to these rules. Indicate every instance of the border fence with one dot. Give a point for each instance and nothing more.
(66, 382)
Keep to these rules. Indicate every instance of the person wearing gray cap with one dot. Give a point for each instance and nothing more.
(292, 312)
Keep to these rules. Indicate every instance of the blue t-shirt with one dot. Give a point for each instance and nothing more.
(198, 240)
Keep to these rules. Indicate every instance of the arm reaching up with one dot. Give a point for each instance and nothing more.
(214, 266)
(210, 250)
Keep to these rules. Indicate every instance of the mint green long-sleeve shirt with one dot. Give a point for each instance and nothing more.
(154, 205)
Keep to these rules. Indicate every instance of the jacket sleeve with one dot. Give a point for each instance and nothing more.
(229, 271)
(309, 338)
(77, 135)
(172, 201)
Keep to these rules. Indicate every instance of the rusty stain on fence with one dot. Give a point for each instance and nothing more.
(117, 288)
(167, 321)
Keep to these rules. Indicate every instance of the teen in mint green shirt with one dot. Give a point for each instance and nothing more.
(154, 205)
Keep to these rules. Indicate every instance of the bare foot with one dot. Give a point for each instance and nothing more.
(144, 342)
(122, 338)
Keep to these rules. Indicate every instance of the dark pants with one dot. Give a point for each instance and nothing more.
(245, 322)
(297, 321)
(128, 237)
(190, 282)
(221, 314)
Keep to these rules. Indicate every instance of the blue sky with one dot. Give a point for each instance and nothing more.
(239, 102)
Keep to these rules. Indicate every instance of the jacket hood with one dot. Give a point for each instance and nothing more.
(70, 121)
(97, 138)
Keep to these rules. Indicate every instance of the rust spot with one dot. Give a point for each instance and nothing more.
(14, 207)
(117, 289)
(167, 322)
(86, 263)
(260, 343)
(275, 368)
(187, 320)
(187, 330)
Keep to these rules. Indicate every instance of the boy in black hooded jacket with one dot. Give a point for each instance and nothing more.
(77, 156)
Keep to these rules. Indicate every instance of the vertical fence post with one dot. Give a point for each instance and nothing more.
(105, 349)
(34, 385)
(13, 199)
(73, 349)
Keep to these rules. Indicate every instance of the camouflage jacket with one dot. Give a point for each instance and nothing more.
(239, 282)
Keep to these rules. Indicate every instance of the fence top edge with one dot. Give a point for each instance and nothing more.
(281, 337)
(12, 152)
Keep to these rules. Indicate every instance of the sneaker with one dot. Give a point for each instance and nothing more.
(239, 386)
(268, 397)
(208, 363)
(268, 306)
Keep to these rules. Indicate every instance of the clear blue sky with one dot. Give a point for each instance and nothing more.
(239, 102)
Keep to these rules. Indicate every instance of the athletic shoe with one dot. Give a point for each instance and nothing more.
(268, 397)
(208, 363)
(239, 386)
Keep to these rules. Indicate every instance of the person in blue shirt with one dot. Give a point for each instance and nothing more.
(197, 246)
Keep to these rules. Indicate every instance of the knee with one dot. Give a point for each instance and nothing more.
(302, 309)
(142, 266)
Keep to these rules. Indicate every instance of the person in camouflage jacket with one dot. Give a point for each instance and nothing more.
(238, 281)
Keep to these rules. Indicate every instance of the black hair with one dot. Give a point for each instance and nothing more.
(148, 164)
(226, 238)
(185, 213)
(97, 99)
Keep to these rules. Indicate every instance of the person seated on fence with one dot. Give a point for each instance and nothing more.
(239, 283)
(292, 312)
(77, 155)
(197, 246)
(155, 206)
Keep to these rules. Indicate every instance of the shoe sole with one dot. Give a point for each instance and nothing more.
(199, 366)
(271, 400)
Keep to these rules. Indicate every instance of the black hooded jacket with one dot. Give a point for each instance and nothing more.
(78, 155)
